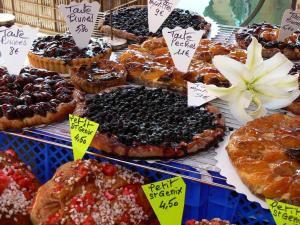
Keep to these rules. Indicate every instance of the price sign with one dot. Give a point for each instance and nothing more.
(15, 43)
(158, 12)
(167, 199)
(289, 24)
(182, 44)
(82, 133)
(197, 94)
(284, 214)
(80, 19)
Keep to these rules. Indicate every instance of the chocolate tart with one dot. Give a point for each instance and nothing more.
(98, 76)
(266, 155)
(208, 222)
(131, 23)
(142, 122)
(34, 97)
(57, 53)
(267, 36)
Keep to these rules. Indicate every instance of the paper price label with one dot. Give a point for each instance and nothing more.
(158, 12)
(82, 132)
(167, 199)
(289, 24)
(80, 19)
(182, 44)
(197, 94)
(15, 43)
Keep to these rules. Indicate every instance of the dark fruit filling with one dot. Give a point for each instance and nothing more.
(63, 47)
(139, 115)
(33, 91)
(135, 21)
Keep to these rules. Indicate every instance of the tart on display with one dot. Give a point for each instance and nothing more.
(90, 192)
(266, 154)
(98, 76)
(208, 222)
(294, 107)
(142, 122)
(59, 52)
(267, 36)
(17, 189)
(34, 97)
(132, 23)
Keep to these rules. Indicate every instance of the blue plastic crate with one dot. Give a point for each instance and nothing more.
(202, 201)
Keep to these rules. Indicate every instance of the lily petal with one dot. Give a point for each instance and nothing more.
(254, 55)
(279, 102)
(260, 110)
(227, 94)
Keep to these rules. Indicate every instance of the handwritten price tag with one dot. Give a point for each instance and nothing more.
(197, 94)
(289, 24)
(167, 199)
(158, 12)
(80, 19)
(182, 44)
(82, 133)
(284, 214)
(15, 43)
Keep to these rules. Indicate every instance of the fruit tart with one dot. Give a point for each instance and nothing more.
(208, 222)
(266, 154)
(59, 52)
(17, 189)
(142, 122)
(89, 192)
(34, 97)
(267, 36)
(98, 76)
(132, 23)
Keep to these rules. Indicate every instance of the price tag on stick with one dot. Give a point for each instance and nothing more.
(82, 132)
(289, 24)
(15, 43)
(197, 94)
(182, 44)
(158, 12)
(167, 199)
(80, 19)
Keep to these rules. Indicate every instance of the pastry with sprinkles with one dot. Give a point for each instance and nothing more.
(207, 222)
(87, 192)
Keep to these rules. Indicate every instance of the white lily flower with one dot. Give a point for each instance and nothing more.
(266, 83)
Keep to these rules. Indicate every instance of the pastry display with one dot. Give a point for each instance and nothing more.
(148, 122)
(266, 155)
(59, 52)
(295, 106)
(88, 192)
(208, 222)
(17, 189)
(98, 76)
(132, 23)
(34, 97)
(267, 36)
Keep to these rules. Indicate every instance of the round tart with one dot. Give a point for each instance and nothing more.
(266, 155)
(34, 97)
(59, 52)
(294, 107)
(98, 76)
(89, 192)
(132, 23)
(17, 190)
(267, 36)
(146, 122)
(207, 222)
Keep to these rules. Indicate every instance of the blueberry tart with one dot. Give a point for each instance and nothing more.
(142, 122)
(98, 76)
(267, 36)
(34, 97)
(57, 53)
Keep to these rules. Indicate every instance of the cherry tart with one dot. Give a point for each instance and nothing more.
(59, 52)
(34, 97)
(266, 154)
(142, 122)
(208, 222)
(17, 190)
(151, 64)
(267, 36)
(88, 192)
(98, 76)
(132, 23)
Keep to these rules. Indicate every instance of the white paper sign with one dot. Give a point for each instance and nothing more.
(197, 94)
(182, 44)
(158, 12)
(15, 43)
(80, 19)
(289, 24)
